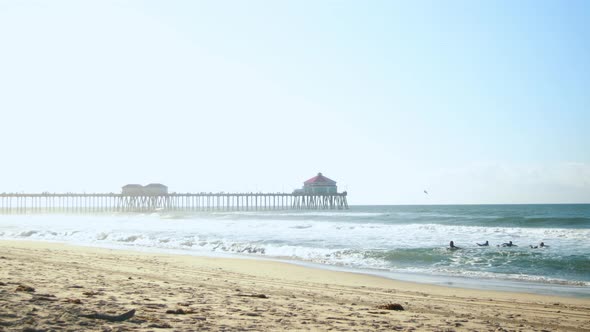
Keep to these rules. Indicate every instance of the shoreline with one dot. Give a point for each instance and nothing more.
(460, 282)
(483, 284)
(220, 293)
(465, 282)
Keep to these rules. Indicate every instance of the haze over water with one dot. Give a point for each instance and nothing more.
(376, 239)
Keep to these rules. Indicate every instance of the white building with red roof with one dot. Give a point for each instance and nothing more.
(320, 184)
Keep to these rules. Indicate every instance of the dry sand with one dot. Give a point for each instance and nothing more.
(80, 288)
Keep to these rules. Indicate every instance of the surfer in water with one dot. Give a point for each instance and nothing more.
(485, 244)
(541, 245)
(509, 244)
(452, 246)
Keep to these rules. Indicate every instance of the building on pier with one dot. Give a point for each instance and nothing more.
(132, 190)
(152, 189)
(155, 189)
(319, 184)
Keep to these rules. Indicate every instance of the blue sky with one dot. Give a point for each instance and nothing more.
(476, 102)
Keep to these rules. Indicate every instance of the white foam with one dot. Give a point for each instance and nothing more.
(330, 241)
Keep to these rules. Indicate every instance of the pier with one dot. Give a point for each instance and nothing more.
(21, 203)
(318, 193)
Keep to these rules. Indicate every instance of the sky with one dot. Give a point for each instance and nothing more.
(476, 102)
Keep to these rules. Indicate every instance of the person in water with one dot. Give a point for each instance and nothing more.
(509, 244)
(452, 246)
(485, 244)
(541, 245)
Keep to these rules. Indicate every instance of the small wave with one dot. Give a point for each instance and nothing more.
(305, 214)
(510, 277)
(132, 238)
(301, 227)
(253, 250)
(102, 236)
(28, 233)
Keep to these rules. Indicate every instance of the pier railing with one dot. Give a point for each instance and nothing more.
(21, 203)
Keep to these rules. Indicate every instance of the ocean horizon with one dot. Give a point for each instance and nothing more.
(409, 242)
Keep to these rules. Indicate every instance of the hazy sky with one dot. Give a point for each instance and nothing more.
(474, 101)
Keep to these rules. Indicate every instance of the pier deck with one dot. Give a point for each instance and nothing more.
(23, 203)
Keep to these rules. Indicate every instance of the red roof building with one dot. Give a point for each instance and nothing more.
(320, 184)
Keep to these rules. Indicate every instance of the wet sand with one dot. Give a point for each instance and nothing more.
(56, 287)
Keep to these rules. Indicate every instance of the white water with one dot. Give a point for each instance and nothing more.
(346, 239)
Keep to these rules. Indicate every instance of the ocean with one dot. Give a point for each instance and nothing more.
(402, 242)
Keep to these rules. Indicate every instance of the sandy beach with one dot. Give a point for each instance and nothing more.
(56, 287)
